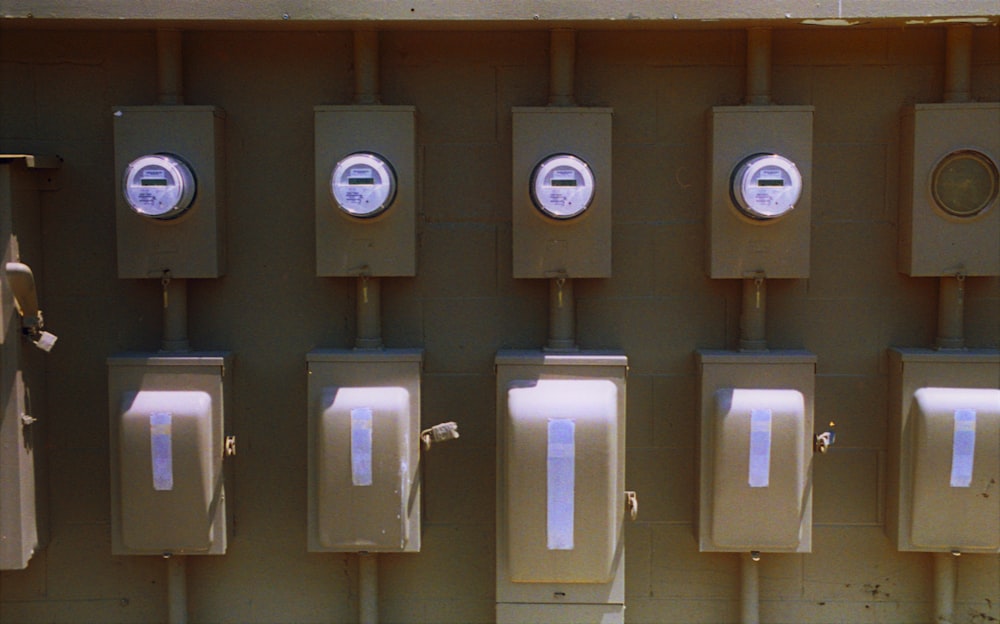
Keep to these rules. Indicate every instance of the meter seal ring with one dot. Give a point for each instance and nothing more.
(746, 168)
(542, 165)
(985, 202)
(375, 161)
(175, 166)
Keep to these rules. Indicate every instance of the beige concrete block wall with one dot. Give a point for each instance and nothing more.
(58, 87)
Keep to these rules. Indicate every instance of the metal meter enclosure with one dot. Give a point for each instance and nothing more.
(561, 189)
(159, 186)
(364, 450)
(560, 484)
(949, 210)
(170, 199)
(562, 186)
(366, 214)
(363, 185)
(759, 213)
(944, 450)
(766, 186)
(756, 451)
(168, 445)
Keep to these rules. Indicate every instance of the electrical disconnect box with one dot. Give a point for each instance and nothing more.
(170, 191)
(756, 451)
(364, 450)
(22, 391)
(950, 175)
(168, 443)
(760, 191)
(561, 191)
(561, 499)
(944, 450)
(366, 213)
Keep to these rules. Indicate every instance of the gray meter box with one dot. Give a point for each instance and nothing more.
(560, 485)
(756, 451)
(193, 244)
(380, 246)
(168, 438)
(738, 245)
(932, 240)
(543, 246)
(944, 450)
(364, 450)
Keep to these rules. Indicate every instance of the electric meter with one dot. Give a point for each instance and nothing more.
(965, 183)
(160, 186)
(766, 186)
(363, 184)
(562, 186)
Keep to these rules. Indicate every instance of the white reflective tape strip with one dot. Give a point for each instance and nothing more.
(760, 447)
(963, 450)
(161, 450)
(361, 446)
(561, 483)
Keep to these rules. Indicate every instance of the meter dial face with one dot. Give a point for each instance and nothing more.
(562, 186)
(766, 186)
(159, 186)
(965, 183)
(363, 185)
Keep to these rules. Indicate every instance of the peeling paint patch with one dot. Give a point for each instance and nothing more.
(951, 20)
(829, 22)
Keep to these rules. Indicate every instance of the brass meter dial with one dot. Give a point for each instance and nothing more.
(159, 186)
(363, 185)
(562, 186)
(965, 183)
(766, 186)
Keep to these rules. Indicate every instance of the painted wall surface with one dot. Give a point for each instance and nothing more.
(57, 88)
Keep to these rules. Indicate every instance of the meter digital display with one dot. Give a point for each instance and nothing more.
(159, 186)
(363, 185)
(766, 186)
(965, 183)
(562, 186)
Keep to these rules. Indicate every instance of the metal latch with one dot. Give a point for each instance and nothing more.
(632, 504)
(230, 448)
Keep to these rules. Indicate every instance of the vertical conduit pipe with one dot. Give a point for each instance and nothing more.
(945, 565)
(562, 69)
(749, 590)
(177, 590)
(170, 91)
(758, 66)
(366, 80)
(367, 588)
(753, 315)
(369, 302)
(958, 64)
(369, 321)
(951, 312)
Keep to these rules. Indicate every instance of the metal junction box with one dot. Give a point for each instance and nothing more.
(382, 244)
(949, 211)
(560, 486)
(364, 450)
(192, 244)
(740, 245)
(168, 442)
(546, 246)
(944, 450)
(756, 451)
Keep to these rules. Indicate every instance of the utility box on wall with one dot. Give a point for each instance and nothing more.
(170, 191)
(364, 432)
(561, 189)
(561, 499)
(948, 210)
(944, 450)
(366, 196)
(764, 153)
(756, 451)
(168, 443)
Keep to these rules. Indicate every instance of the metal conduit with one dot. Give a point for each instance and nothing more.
(758, 66)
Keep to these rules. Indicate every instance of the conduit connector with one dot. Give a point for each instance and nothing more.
(439, 433)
